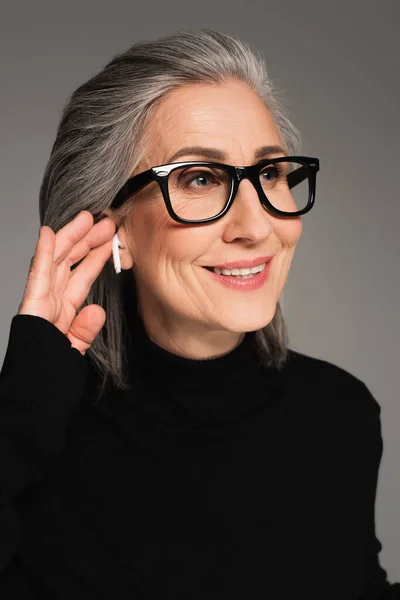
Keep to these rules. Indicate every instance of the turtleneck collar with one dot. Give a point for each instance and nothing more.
(194, 374)
(171, 388)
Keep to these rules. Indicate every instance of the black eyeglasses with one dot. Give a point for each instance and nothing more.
(285, 186)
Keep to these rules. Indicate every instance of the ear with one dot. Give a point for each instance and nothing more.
(108, 212)
(125, 252)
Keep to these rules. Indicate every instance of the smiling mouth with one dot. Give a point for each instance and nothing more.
(247, 274)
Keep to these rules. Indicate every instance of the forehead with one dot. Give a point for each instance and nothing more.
(230, 115)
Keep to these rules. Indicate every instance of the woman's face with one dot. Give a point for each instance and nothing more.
(184, 307)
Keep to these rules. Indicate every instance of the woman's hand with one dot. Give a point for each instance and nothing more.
(56, 293)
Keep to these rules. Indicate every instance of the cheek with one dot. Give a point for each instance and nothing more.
(146, 232)
(185, 244)
(289, 232)
(159, 242)
(149, 215)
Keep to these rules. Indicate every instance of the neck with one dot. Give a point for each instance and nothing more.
(186, 337)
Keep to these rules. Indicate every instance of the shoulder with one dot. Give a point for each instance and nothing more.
(329, 386)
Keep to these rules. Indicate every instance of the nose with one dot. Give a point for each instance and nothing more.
(247, 213)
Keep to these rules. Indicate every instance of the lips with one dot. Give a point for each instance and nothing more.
(244, 284)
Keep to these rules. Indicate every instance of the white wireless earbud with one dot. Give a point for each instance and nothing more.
(115, 245)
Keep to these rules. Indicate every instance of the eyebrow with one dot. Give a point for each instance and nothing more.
(215, 154)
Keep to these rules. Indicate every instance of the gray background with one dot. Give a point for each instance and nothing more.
(338, 64)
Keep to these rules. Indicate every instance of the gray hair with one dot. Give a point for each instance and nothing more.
(101, 138)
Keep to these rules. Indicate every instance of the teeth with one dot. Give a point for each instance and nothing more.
(246, 271)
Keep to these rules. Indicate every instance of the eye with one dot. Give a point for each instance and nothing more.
(272, 173)
(197, 178)
(269, 173)
(201, 178)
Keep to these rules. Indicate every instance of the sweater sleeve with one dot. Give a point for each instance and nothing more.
(41, 383)
(377, 587)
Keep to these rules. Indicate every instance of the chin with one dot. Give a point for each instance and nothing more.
(248, 320)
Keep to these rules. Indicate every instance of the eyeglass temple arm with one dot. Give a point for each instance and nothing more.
(297, 177)
(139, 182)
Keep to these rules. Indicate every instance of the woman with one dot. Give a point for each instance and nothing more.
(160, 439)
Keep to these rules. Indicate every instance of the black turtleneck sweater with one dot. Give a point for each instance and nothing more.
(207, 480)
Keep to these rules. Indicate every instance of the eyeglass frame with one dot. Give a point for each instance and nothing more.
(161, 173)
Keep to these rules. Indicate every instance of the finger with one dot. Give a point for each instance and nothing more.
(40, 273)
(98, 235)
(86, 327)
(71, 233)
(83, 277)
